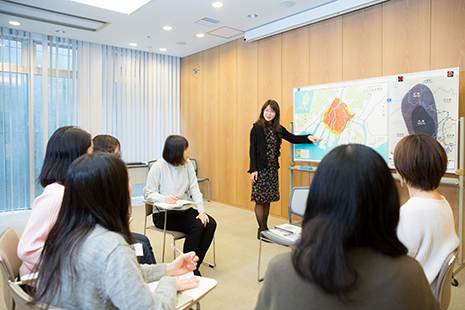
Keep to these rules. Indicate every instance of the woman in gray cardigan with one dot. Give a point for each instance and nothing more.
(349, 256)
(87, 261)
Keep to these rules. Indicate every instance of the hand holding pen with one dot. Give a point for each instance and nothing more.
(172, 199)
(184, 263)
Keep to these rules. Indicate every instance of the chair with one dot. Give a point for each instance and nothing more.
(176, 235)
(297, 205)
(21, 298)
(441, 286)
(150, 163)
(9, 263)
(200, 180)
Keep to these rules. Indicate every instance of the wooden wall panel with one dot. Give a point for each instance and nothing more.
(227, 126)
(361, 44)
(269, 85)
(210, 162)
(237, 78)
(326, 52)
(194, 112)
(247, 111)
(295, 72)
(448, 40)
(406, 36)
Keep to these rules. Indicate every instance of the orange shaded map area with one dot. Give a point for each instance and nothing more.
(337, 116)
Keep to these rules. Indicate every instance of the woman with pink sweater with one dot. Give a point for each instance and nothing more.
(65, 145)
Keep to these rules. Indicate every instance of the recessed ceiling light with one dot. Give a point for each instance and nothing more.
(59, 31)
(14, 23)
(133, 44)
(168, 28)
(252, 15)
(181, 43)
(200, 35)
(162, 49)
(217, 4)
(286, 4)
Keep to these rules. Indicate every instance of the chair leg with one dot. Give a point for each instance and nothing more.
(214, 257)
(164, 239)
(259, 259)
(209, 194)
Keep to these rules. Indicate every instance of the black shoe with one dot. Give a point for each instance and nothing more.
(197, 273)
(264, 239)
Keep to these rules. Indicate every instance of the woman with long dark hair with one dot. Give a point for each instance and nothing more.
(64, 146)
(109, 144)
(265, 143)
(349, 256)
(87, 261)
(171, 178)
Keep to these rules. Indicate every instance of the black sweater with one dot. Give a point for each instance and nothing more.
(257, 151)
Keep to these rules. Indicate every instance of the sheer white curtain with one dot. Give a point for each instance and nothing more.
(48, 82)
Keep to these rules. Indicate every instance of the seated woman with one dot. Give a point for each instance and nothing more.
(87, 261)
(171, 178)
(109, 144)
(426, 225)
(64, 146)
(349, 256)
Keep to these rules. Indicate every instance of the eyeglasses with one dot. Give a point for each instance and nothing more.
(270, 111)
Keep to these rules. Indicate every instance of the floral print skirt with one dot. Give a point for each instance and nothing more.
(266, 188)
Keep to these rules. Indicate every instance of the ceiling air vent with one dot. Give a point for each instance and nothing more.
(207, 22)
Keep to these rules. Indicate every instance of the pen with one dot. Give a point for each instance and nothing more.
(181, 253)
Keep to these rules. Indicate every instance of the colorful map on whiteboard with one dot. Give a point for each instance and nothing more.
(428, 105)
(340, 114)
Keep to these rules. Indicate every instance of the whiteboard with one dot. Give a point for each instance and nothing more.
(379, 112)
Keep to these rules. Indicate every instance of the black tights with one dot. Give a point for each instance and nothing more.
(262, 209)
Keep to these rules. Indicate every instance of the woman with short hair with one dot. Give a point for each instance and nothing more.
(426, 225)
(349, 256)
(171, 178)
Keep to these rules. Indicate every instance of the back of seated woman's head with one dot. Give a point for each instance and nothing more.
(420, 161)
(65, 145)
(173, 151)
(106, 143)
(353, 202)
(96, 192)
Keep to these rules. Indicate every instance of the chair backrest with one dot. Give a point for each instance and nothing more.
(441, 286)
(298, 201)
(194, 163)
(9, 262)
(150, 163)
(21, 298)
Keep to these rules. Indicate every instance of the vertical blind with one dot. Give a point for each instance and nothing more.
(47, 82)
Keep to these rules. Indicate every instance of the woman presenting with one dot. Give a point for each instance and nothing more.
(265, 143)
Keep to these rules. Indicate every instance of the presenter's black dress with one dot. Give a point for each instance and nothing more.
(266, 188)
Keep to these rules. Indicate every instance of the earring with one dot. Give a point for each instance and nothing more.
(401, 182)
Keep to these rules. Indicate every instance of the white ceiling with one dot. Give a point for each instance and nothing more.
(144, 26)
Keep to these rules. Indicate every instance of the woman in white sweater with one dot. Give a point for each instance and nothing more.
(171, 178)
(87, 261)
(426, 225)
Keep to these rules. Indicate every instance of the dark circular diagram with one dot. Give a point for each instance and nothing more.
(419, 111)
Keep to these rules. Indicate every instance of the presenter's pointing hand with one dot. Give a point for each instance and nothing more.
(313, 139)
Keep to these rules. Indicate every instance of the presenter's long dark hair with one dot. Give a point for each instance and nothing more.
(353, 202)
(96, 193)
